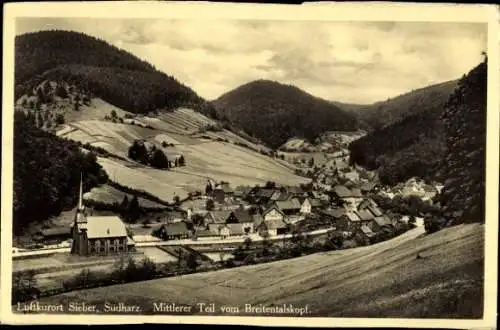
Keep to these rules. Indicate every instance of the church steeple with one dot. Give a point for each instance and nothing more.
(80, 209)
(80, 195)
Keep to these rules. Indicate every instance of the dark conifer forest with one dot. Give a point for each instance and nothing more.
(96, 67)
(274, 112)
(47, 173)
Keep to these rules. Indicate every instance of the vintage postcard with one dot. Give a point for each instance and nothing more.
(311, 165)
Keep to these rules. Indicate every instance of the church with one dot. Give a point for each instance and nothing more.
(98, 235)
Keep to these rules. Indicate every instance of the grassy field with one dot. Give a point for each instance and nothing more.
(205, 159)
(109, 195)
(383, 280)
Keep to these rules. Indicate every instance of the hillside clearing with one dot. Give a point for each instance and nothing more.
(383, 280)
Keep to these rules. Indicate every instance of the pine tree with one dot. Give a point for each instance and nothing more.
(181, 161)
(134, 210)
(159, 159)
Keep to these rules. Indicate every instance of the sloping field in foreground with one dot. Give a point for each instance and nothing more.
(383, 280)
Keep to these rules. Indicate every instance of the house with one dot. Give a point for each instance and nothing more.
(272, 226)
(176, 230)
(379, 222)
(216, 217)
(305, 207)
(333, 215)
(364, 235)
(54, 235)
(206, 234)
(98, 235)
(261, 196)
(281, 196)
(350, 221)
(222, 192)
(235, 229)
(273, 213)
(242, 217)
(289, 207)
(347, 196)
(365, 217)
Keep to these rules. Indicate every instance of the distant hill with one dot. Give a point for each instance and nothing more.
(99, 68)
(274, 112)
(407, 135)
(415, 145)
(464, 164)
(383, 113)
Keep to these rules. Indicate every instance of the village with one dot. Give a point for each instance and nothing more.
(340, 197)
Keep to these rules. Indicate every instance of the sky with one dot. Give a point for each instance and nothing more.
(355, 62)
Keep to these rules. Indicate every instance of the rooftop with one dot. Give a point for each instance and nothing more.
(105, 227)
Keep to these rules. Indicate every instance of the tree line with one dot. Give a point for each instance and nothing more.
(154, 156)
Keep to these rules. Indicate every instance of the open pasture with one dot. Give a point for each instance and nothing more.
(110, 195)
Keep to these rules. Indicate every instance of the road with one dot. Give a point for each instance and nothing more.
(254, 237)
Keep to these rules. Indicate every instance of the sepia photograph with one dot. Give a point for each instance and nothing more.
(250, 164)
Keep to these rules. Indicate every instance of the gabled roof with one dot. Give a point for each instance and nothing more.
(342, 191)
(365, 215)
(105, 227)
(292, 204)
(375, 210)
(383, 221)
(270, 208)
(266, 193)
(367, 231)
(352, 216)
(356, 192)
(335, 213)
(217, 216)
(176, 228)
(281, 196)
(242, 216)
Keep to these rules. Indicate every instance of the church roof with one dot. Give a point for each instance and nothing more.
(105, 227)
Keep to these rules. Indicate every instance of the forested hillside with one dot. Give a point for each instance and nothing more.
(412, 145)
(463, 167)
(384, 113)
(97, 67)
(274, 112)
(47, 173)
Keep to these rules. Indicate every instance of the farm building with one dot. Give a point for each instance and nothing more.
(289, 207)
(350, 221)
(243, 217)
(272, 226)
(176, 230)
(53, 235)
(98, 235)
(273, 213)
(308, 205)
